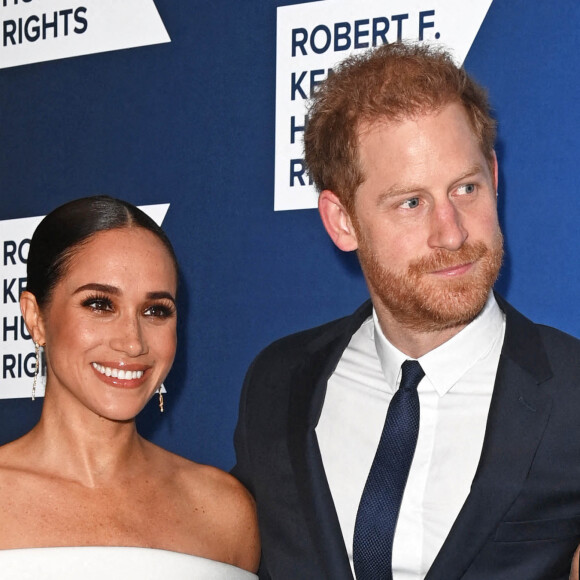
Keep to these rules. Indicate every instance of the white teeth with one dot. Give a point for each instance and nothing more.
(117, 373)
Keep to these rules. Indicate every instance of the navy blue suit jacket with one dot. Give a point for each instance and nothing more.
(521, 520)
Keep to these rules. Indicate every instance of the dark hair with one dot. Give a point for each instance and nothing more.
(393, 82)
(60, 234)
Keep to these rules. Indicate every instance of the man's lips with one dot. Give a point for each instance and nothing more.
(120, 374)
(452, 271)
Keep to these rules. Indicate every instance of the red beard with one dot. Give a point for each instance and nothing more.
(419, 301)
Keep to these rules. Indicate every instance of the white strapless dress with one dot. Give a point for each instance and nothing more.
(112, 563)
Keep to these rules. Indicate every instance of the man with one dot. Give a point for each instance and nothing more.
(474, 471)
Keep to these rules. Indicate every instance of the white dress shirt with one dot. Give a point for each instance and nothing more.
(454, 397)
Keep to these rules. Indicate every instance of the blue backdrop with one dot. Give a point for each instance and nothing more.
(191, 123)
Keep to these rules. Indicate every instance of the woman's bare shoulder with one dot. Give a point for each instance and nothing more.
(223, 504)
(215, 488)
(201, 477)
(575, 571)
(14, 456)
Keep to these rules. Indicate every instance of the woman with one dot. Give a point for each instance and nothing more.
(575, 571)
(100, 300)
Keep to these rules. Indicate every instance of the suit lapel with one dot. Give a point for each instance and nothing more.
(305, 406)
(519, 406)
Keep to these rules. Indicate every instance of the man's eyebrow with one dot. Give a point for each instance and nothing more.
(397, 190)
(473, 170)
(105, 288)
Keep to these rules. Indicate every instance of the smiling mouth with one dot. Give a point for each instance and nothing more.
(121, 374)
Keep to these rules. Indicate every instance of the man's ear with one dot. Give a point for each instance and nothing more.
(337, 221)
(32, 317)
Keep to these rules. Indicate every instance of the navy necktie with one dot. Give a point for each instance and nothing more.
(379, 506)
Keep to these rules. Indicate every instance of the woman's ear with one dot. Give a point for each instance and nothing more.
(32, 317)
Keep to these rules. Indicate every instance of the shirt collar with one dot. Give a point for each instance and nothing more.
(446, 364)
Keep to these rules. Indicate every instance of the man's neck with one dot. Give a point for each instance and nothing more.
(414, 343)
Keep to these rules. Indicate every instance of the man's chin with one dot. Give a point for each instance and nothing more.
(431, 309)
(456, 318)
(422, 301)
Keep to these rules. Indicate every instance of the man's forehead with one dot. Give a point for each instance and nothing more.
(384, 127)
(370, 123)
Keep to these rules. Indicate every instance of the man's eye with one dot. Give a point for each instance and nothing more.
(467, 188)
(411, 203)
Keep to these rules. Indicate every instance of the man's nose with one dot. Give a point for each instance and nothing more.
(447, 229)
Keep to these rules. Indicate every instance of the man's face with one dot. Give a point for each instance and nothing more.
(425, 220)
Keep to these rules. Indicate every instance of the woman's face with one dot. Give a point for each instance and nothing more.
(110, 326)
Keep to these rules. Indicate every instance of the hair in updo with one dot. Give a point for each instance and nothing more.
(63, 231)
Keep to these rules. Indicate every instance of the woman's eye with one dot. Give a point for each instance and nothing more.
(467, 188)
(411, 203)
(160, 311)
(98, 304)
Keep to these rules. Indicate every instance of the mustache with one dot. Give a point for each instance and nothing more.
(441, 259)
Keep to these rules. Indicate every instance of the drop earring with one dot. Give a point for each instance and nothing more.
(36, 368)
(160, 399)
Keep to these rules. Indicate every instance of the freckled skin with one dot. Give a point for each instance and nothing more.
(424, 225)
(83, 475)
(123, 332)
